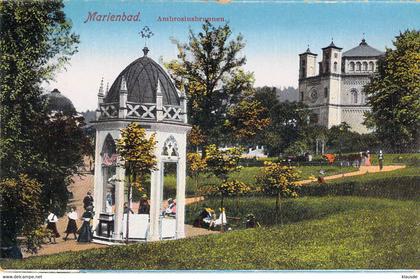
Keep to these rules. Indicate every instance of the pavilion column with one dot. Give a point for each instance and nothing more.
(180, 198)
(119, 200)
(98, 180)
(155, 202)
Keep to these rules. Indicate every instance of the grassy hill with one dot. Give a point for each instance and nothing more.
(331, 229)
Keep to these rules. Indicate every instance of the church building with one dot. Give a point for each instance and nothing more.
(333, 90)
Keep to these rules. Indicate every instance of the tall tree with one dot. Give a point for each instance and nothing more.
(35, 41)
(394, 94)
(64, 144)
(209, 69)
(289, 123)
(246, 120)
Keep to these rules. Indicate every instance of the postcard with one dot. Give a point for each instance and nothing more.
(210, 138)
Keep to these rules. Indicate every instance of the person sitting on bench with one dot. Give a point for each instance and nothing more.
(221, 221)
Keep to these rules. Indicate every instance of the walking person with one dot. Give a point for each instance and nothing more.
(88, 201)
(52, 220)
(85, 232)
(381, 159)
(71, 225)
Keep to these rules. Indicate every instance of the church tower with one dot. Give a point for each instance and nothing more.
(307, 64)
(331, 60)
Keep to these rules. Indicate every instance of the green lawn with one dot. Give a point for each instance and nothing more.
(366, 222)
(398, 159)
(320, 233)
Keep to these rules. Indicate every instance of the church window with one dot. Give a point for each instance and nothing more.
(335, 67)
(358, 66)
(354, 96)
(314, 95)
(335, 55)
(371, 66)
(365, 66)
(301, 96)
(326, 92)
(351, 66)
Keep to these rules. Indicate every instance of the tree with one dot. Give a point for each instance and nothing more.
(64, 145)
(209, 70)
(21, 211)
(222, 163)
(297, 148)
(267, 96)
(195, 138)
(289, 123)
(196, 166)
(138, 156)
(278, 180)
(35, 41)
(394, 94)
(246, 120)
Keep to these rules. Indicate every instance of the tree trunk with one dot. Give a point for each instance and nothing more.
(129, 206)
(278, 208)
(221, 213)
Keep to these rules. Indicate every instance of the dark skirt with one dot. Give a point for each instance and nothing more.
(85, 233)
(53, 228)
(71, 226)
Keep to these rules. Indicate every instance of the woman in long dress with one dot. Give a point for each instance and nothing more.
(71, 225)
(52, 220)
(85, 232)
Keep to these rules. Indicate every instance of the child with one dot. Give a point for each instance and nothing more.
(52, 220)
(71, 225)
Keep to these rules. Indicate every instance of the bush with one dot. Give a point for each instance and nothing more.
(21, 212)
(399, 187)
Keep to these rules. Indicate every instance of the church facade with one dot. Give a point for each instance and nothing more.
(333, 89)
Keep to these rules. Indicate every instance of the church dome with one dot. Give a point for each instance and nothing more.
(58, 102)
(142, 77)
(363, 50)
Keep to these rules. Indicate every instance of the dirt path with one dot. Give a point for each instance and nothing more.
(362, 170)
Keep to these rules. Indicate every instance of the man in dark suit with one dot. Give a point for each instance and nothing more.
(88, 201)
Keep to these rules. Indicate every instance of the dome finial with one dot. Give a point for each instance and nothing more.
(363, 42)
(101, 88)
(146, 33)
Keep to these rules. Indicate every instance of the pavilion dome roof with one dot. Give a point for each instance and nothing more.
(142, 77)
(362, 50)
(58, 102)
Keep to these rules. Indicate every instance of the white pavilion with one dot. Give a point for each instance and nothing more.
(144, 93)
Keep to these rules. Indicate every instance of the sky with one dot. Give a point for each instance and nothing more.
(275, 33)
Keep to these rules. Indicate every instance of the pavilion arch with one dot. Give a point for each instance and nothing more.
(108, 146)
(170, 147)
